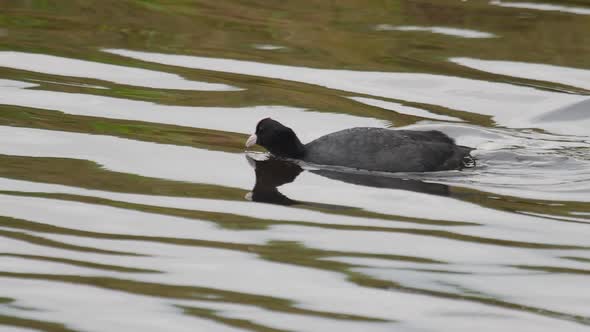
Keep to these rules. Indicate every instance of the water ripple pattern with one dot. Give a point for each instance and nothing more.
(128, 201)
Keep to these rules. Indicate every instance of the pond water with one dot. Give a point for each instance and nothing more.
(128, 203)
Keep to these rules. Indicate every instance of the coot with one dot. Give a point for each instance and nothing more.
(373, 149)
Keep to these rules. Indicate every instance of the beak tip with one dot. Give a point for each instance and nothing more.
(251, 140)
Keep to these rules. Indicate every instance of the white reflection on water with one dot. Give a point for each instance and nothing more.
(572, 119)
(255, 210)
(286, 321)
(308, 288)
(328, 291)
(504, 225)
(570, 76)
(101, 309)
(490, 258)
(529, 287)
(129, 156)
(455, 32)
(183, 163)
(527, 161)
(219, 168)
(307, 124)
(90, 218)
(268, 47)
(542, 6)
(399, 108)
(509, 105)
(49, 64)
(231, 170)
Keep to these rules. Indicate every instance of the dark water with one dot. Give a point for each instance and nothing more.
(127, 202)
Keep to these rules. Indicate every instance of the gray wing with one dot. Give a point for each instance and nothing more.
(384, 150)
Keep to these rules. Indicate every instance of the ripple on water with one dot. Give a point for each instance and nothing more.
(455, 32)
(160, 237)
(565, 75)
(509, 105)
(55, 65)
(542, 6)
(243, 119)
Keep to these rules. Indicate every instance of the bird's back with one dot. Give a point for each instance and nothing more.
(387, 150)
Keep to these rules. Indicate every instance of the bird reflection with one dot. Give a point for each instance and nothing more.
(272, 173)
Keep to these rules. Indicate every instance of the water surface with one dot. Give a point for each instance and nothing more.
(128, 203)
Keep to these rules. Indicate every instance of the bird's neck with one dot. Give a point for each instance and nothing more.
(300, 149)
(292, 149)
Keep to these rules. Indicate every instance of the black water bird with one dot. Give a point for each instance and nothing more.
(373, 149)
